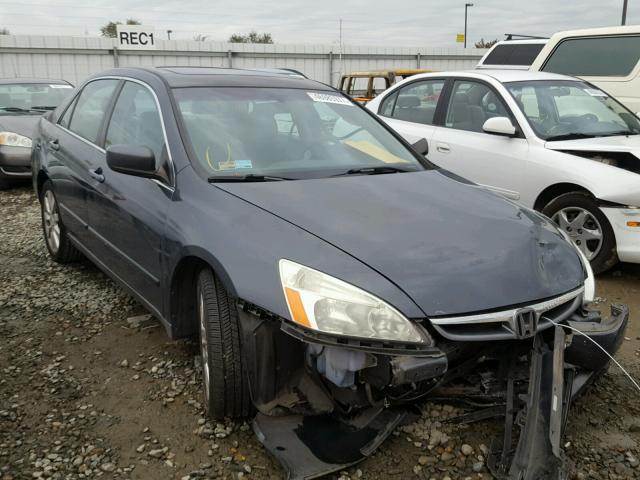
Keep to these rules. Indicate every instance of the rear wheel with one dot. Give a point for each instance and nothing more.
(55, 235)
(579, 216)
(226, 391)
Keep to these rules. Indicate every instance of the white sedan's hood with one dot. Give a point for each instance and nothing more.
(618, 143)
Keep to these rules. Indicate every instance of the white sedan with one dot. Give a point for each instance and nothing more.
(551, 142)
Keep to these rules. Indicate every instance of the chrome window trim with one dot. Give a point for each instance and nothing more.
(157, 102)
(506, 316)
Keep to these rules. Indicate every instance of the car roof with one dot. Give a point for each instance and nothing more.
(178, 77)
(11, 81)
(589, 32)
(501, 75)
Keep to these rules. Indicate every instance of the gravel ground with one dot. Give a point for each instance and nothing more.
(91, 387)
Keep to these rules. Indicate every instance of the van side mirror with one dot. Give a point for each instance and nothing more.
(136, 160)
(499, 126)
(421, 146)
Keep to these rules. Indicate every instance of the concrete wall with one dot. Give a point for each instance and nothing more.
(74, 58)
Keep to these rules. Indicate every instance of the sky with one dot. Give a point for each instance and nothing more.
(365, 22)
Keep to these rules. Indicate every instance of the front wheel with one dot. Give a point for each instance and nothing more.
(226, 390)
(579, 216)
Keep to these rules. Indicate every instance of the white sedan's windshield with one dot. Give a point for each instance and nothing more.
(287, 132)
(566, 109)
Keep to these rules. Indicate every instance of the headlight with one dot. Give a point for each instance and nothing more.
(326, 304)
(590, 281)
(14, 140)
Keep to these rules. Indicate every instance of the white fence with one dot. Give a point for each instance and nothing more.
(74, 58)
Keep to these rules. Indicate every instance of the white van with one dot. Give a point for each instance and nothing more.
(606, 57)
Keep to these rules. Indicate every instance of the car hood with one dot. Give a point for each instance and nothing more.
(618, 143)
(19, 123)
(451, 247)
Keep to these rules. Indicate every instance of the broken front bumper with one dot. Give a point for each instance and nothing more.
(326, 403)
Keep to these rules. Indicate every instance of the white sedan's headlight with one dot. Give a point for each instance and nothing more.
(14, 140)
(590, 281)
(324, 303)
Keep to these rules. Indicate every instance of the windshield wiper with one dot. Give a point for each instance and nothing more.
(43, 107)
(249, 177)
(21, 110)
(372, 171)
(619, 133)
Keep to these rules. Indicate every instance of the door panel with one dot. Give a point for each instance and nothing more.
(127, 213)
(461, 146)
(72, 153)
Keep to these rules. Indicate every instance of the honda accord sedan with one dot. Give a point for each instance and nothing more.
(22, 102)
(332, 274)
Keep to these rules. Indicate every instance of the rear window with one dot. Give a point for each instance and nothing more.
(598, 56)
(513, 54)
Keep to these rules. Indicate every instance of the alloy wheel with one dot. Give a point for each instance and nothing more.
(51, 221)
(583, 228)
(204, 347)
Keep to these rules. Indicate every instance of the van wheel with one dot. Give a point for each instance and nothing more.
(60, 247)
(579, 216)
(226, 391)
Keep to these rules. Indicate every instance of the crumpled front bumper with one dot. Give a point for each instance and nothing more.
(325, 404)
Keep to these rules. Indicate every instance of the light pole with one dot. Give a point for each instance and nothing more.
(624, 12)
(466, 7)
(169, 32)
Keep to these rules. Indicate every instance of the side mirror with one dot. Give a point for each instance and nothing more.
(136, 160)
(421, 146)
(499, 126)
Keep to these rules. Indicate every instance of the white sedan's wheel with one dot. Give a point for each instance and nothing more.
(580, 217)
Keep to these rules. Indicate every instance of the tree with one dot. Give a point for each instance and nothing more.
(251, 37)
(4, 31)
(487, 44)
(200, 37)
(110, 29)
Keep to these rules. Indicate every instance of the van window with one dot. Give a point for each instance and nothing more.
(513, 54)
(597, 56)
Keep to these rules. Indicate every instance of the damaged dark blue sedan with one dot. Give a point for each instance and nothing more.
(333, 275)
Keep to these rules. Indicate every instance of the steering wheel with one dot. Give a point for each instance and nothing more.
(589, 117)
(351, 134)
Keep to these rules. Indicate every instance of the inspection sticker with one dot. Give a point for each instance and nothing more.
(324, 98)
(60, 86)
(595, 93)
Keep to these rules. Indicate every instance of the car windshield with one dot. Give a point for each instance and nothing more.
(567, 109)
(26, 97)
(287, 133)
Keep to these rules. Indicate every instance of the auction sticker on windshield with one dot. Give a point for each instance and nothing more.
(595, 93)
(60, 86)
(324, 98)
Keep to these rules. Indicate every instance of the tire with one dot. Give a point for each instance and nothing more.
(58, 244)
(578, 214)
(226, 391)
(5, 184)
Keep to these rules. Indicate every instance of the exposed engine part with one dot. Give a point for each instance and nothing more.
(338, 365)
(625, 160)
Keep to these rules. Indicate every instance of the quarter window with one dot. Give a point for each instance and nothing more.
(88, 114)
(417, 102)
(598, 56)
(471, 104)
(136, 120)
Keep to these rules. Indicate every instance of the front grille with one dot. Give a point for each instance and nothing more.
(505, 324)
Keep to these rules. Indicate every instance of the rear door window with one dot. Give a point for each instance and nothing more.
(596, 56)
(91, 107)
(417, 102)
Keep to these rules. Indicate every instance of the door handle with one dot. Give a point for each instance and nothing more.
(96, 174)
(54, 144)
(443, 148)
